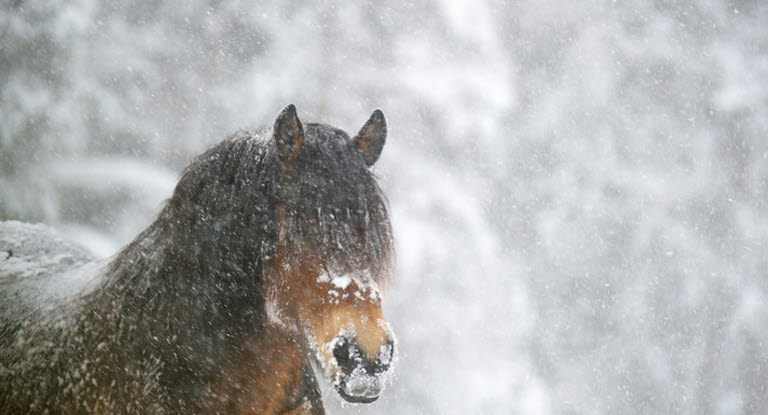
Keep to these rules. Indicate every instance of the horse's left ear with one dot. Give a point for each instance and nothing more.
(370, 140)
(288, 135)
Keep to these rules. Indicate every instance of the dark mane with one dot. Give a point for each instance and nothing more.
(222, 217)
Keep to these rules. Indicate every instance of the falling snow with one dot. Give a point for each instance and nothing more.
(578, 190)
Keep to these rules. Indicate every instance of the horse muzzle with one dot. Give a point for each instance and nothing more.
(361, 378)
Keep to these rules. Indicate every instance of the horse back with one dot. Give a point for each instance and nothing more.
(39, 270)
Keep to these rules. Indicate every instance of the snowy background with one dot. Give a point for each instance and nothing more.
(579, 190)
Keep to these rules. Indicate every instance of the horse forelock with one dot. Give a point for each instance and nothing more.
(335, 210)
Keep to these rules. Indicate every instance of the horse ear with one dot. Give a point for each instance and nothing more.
(288, 135)
(370, 140)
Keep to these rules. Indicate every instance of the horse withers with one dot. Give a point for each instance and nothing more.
(265, 267)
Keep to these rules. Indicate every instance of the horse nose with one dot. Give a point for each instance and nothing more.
(349, 357)
(361, 376)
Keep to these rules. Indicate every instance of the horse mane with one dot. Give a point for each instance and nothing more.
(195, 274)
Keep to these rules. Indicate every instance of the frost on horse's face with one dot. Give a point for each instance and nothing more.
(334, 252)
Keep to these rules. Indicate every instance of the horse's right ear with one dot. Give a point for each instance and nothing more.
(288, 135)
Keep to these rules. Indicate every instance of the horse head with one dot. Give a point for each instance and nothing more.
(334, 251)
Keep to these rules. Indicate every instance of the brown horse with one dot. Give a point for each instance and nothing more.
(264, 267)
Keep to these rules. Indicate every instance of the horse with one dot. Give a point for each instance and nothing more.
(262, 274)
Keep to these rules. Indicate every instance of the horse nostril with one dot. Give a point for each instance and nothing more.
(384, 360)
(347, 355)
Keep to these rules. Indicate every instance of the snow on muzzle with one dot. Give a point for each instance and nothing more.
(355, 345)
(360, 378)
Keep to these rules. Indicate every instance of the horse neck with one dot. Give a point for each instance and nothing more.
(171, 272)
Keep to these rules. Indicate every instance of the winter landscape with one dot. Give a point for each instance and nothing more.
(578, 190)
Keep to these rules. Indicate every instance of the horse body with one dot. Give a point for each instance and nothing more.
(267, 258)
